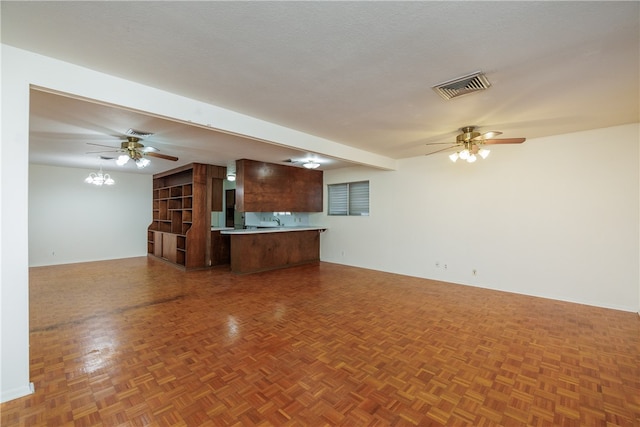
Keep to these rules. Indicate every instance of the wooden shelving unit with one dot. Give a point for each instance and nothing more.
(183, 199)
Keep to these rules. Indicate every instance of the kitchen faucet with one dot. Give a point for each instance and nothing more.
(277, 220)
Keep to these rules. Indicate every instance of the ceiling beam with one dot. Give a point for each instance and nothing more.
(60, 77)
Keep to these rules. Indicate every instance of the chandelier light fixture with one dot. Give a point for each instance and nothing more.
(100, 178)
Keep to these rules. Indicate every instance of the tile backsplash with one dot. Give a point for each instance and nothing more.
(270, 219)
(217, 219)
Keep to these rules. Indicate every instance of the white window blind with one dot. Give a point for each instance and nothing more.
(351, 198)
(359, 198)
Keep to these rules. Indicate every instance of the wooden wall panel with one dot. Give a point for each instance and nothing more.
(268, 187)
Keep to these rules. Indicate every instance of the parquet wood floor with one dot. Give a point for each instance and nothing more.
(136, 342)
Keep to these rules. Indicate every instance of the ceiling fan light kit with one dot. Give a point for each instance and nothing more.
(140, 162)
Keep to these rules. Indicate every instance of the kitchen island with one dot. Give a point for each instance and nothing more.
(270, 248)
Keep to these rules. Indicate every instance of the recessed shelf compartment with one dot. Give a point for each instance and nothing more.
(181, 243)
(176, 191)
(181, 257)
(162, 210)
(163, 193)
(176, 222)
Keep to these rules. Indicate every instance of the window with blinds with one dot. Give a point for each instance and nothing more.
(350, 198)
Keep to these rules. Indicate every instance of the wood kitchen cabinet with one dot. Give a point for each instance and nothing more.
(269, 187)
(183, 199)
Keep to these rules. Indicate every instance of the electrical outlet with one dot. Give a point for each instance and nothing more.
(445, 266)
(437, 264)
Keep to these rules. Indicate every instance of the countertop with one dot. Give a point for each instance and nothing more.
(271, 229)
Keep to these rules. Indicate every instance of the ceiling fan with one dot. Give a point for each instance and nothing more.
(309, 163)
(133, 149)
(470, 144)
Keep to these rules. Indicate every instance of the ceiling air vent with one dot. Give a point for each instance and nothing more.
(462, 85)
(138, 133)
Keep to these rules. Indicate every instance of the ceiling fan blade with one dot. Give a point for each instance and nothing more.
(439, 143)
(442, 149)
(505, 141)
(487, 135)
(161, 156)
(101, 145)
(104, 151)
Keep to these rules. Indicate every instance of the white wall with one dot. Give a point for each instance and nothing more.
(555, 217)
(14, 273)
(72, 221)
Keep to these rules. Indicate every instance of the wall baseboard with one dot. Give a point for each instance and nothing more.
(16, 393)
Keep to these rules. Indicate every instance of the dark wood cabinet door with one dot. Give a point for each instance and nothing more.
(157, 244)
(220, 248)
(169, 247)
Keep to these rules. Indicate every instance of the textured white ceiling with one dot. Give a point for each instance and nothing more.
(358, 73)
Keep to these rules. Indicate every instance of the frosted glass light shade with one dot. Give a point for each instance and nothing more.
(141, 163)
(311, 164)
